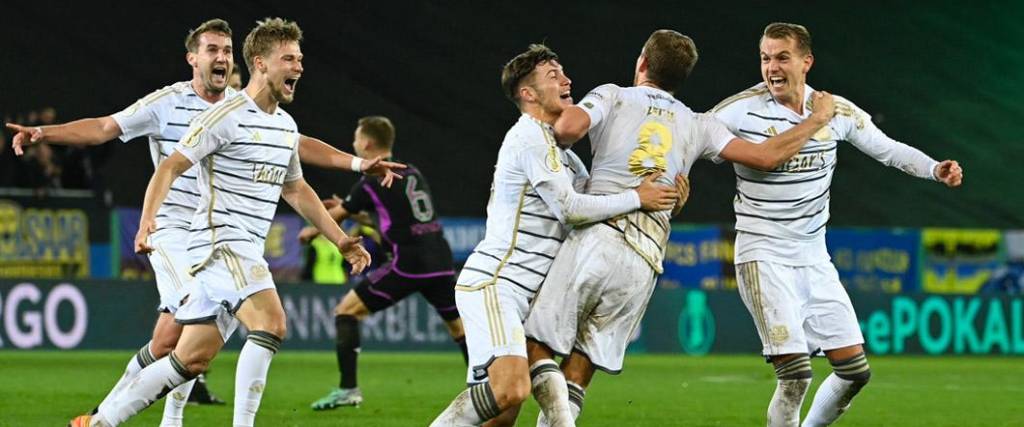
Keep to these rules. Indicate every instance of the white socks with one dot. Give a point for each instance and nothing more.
(472, 407)
(149, 385)
(251, 375)
(174, 404)
(552, 393)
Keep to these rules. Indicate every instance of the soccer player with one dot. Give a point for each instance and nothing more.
(248, 150)
(783, 269)
(420, 258)
(533, 200)
(163, 117)
(602, 278)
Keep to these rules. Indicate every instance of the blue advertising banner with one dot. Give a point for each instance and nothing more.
(283, 252)
(696, 257)
(463, 234)
(873, 260)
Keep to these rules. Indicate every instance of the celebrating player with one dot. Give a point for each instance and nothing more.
(248, 149)
(599, 284)
(533, 200)
(783, 270)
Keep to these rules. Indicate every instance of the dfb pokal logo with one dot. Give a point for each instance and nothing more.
(696, 323)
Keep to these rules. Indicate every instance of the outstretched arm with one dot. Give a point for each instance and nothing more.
(774, 151)
(159, 185)
(875, 143)
(319, 153)
(82, 132)
(304, 200)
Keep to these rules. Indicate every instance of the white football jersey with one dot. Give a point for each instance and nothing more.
(524, 231)
(636, 131)
(244, 157)
(781, 215)
(164, 116)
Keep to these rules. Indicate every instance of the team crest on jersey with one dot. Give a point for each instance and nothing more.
(553, 161)
(823, 134)
(588, 105)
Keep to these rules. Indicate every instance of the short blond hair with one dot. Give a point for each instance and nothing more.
(266, 36)
(215, 25)
(782, 30)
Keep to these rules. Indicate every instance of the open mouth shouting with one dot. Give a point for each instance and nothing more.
(776, 82)
(219, 74)
(289, 84)
(566, 97)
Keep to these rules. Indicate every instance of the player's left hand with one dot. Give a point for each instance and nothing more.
(683, 188)
(949, 172)
(383, 169)
(146, 227)
(354, 252)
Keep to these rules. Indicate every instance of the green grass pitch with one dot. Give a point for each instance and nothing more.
(46, 388)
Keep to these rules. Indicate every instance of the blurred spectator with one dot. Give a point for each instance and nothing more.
(236, 79)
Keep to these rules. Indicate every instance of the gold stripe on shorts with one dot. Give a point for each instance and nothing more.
(494, 318)
(235, 267)
(169, 266)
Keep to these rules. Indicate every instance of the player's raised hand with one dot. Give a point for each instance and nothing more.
(307, 234)
(949, 172)
(354, 252)
(24, 136)
(655, 196)
(385, 170)
(823, 105)
(146, 227)
(683, 191)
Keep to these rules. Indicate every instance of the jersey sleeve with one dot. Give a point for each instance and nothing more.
(201, 141)
(712, 135)
(598, 103)
(542, 165)
(294, 165)
(358, 199)
(863, 134)
(140, 119)
(729, 114)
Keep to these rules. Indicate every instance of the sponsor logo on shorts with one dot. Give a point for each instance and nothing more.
(259, 272)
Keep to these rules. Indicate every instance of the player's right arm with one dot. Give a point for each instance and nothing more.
(159, 185)
(776, 150)
(577, 120)
(84, 132)
(542, 166)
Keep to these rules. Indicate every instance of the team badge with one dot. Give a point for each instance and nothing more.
(192, 138)
(259, 272)
(778, 334)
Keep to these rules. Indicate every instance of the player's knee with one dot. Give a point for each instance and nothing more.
(796, 367)
(855, 369)
(194, 363)
(161, 347)
(352, 305)
(512, 393)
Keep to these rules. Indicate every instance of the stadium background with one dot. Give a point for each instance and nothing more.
(930, 270)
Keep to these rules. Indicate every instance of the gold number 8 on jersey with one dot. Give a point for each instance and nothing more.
(654, 140)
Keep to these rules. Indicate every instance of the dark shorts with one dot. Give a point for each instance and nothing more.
(385, 287)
